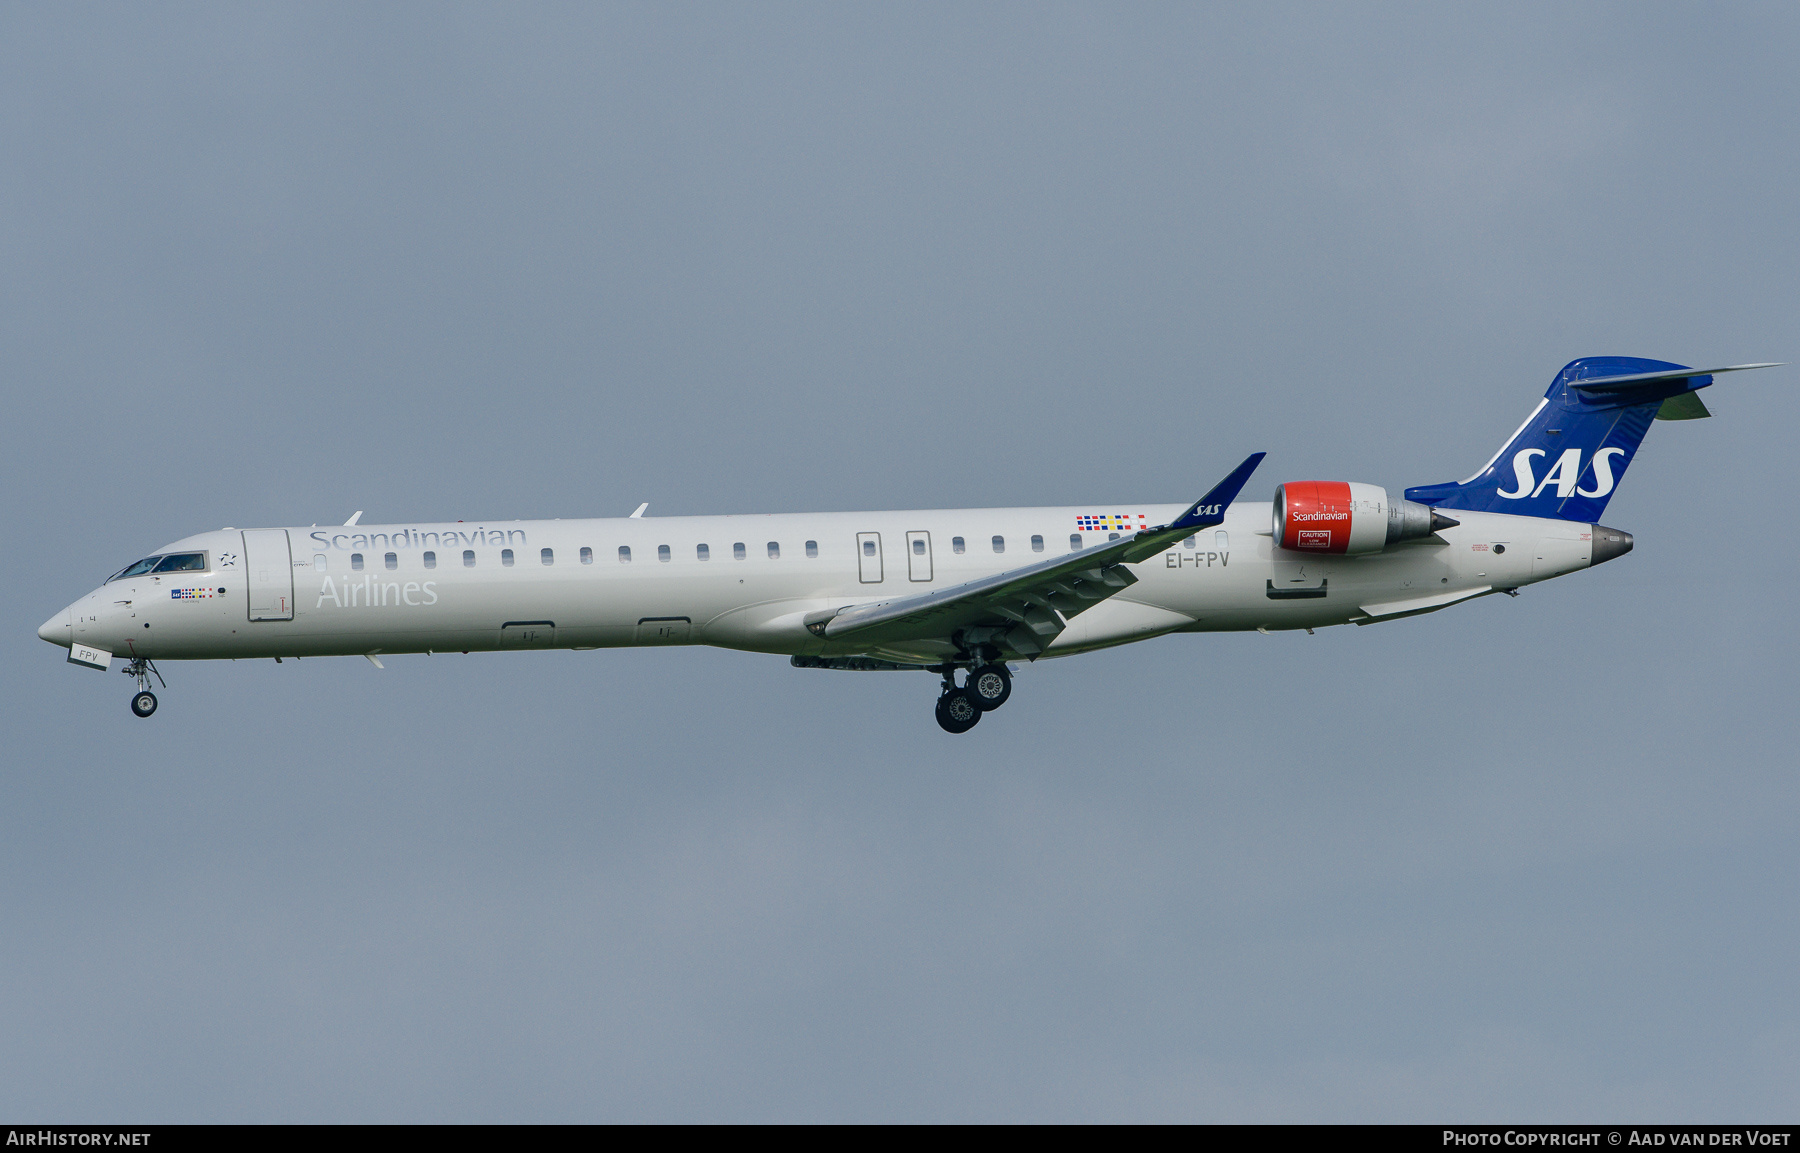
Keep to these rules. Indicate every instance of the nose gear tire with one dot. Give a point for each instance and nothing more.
(144, 703)
(957, 711)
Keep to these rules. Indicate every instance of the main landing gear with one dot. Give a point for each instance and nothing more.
(986, 688)
(143, 702)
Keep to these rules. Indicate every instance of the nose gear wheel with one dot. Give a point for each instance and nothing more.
(143, 702)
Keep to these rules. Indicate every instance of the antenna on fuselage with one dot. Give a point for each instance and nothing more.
(354, 517)
(638, 515)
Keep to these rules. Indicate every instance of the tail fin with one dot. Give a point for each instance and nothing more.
(1572, 451)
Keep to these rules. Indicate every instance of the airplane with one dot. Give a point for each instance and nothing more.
(970, 591)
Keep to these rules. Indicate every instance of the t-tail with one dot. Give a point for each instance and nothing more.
(1570, 454)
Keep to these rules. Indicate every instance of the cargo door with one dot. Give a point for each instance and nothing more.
(918, 556)
(868, 557)
(269, 570)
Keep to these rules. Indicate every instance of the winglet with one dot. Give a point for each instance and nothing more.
(1210, 509)
(639, 514)
(354, 517)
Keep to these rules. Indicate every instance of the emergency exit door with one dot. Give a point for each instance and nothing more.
(918, 556)
(868, 557)
(269, 572)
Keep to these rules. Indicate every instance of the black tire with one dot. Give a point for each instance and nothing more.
(144, 703)
(989, 686)
(957, 711)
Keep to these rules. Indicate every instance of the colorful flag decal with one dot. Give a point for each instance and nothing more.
(1111, 522)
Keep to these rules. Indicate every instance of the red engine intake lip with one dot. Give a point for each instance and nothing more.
(1315, 516)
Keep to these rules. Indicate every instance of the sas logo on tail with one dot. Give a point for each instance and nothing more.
(1565, 474)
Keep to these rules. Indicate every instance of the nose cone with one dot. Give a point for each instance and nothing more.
(1609, 543)
(56, 629)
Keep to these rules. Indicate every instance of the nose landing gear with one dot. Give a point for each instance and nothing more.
(143, 702)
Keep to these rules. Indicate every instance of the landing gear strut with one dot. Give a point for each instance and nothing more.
(143, 702)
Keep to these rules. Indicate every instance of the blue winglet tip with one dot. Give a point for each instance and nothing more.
(1210, 509)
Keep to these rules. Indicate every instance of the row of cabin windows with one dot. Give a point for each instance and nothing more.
(738, 551)
(548, 556)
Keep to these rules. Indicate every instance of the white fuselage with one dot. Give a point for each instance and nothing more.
(748, 582)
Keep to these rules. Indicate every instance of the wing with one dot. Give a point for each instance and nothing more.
(1021, 611)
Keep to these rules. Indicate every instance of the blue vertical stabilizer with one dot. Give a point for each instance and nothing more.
(1572, 451)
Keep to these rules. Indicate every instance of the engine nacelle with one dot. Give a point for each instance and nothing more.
(1346, 518)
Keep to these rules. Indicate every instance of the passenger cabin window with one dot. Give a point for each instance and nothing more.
(738, 551)
(587, 555)
(999, 544)
(1112, 536)
(956, 544)
(506, 557)
(1037, 544)
(812, 548)
(468, 558)
(1222, 541)
(319, 561)
(1188, 543)
(702, 552)
(430, 560)
(547, 556)
(662, 553)
(774, 551)
(624, 554)
(918, 547)
(356, 561)
(183, 562)
(1074, 542)
(391, 560)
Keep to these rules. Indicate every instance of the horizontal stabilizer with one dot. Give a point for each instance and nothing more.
(1614, 383)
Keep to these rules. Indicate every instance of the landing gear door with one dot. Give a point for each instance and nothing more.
(868, 557)
(269, 569)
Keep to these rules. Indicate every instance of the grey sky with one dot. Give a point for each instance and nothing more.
(270, 265)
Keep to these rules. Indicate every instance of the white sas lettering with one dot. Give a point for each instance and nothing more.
(1603, 475)
(1523, 474)
(1566, 473)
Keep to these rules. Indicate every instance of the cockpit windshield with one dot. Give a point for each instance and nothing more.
(170, 562)
(138, 569)
(183, 562)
